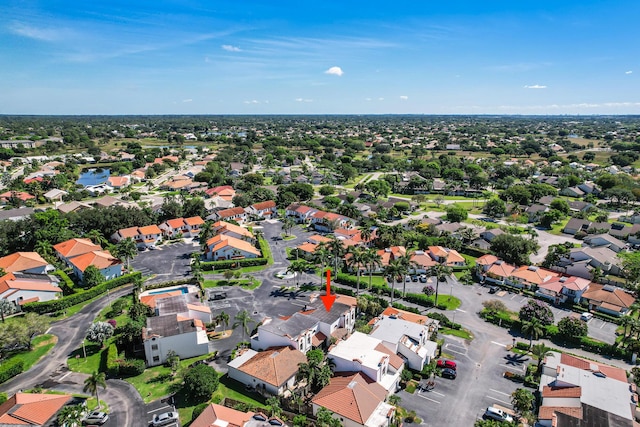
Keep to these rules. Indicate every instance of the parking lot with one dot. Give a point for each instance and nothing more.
(167, 262)
(159, 407)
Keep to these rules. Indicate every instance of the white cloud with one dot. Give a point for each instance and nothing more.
(534, 87)
(253, 101)
(187, 100)
(303, 100)
(404, 97)
(230, 48)
(628, 72)
(380, 99)
(38, 33)
(367, 99)
(336, 71)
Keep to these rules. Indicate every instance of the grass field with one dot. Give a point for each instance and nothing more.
(461, 333)
(93, 362)
(41, 345)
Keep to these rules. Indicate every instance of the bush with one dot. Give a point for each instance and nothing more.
(419, 299)
(405, 308)
(3, 398)
(238, 263)
(66, 284)
(522, 345)
(10, 369)
(199, 409)
(200, 382)
(79, 297)
(112, 364)
(444, 321)
(131, 367)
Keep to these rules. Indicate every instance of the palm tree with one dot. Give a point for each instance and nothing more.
(441, 272)
(534, 328)
(206, 232)
(287, 225)
(365, 234)
(357, 259)
(322, 255)
(395, 269)
(45, 249)
(316, 370)
(540, 351)
(374, 261)
(336, 248)
(405, 260)
(96, 237)
(70, 415)
(224, 319)
(243, 319)
(126, 249)
(467, 234)
(298, 267)
(91, 384)
(626, 322)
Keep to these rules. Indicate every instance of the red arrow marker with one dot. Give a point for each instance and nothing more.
(328, 299)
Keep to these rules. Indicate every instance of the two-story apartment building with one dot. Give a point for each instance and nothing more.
(20, 288)
(298, 331)
(301, 214)
(110, 267)
(171, 332)
(225, 247)
(264, 210)
(237, 214)
(232, 230)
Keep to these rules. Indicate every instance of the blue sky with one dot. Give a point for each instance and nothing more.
(312, 57)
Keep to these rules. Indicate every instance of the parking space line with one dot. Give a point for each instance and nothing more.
(461, 311)
(515, 367)
(425, 397)
(497, 343)
(499, 392)
(603, 323)
(515, 295)
(498, 400)
(439, 394)
(298, 304)
(162, 408)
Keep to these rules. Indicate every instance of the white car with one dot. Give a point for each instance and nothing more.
(164, 419)
(497, 414)
(586, 316)
(96, 417)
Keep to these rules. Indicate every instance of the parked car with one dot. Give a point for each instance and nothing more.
(449, 373)
(164, 419)
(444, 363)
(586, 316)
(423, 278)
(152, 247)
(414, 278)
(497, 414)
(217, 296)
(493, 289)
(96, 417)
(407, 279)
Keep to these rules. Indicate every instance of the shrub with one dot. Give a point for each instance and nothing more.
(66, 284)
(226, 265)
(113, 323)
(199, 409)
(537, 309)
(200, 382)
(3, 398)
(10, 369)
(405, 308)
(522, 345)
(419, 299)
(444, 321)
(112, 361)
(572, 329)
(131, 367)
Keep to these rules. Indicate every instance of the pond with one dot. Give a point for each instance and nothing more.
(93, 177)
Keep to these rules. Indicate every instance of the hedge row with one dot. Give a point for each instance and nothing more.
(237, 263)
(185, 281)
(82, 296)
(112, 360)
(345, 279)
(66, 284)
(444, 320)
(10, 369)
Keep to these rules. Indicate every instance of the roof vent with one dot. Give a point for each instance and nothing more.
(532, 268)
(563, 279)
(608, 288)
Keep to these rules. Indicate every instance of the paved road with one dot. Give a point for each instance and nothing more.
(52, 372)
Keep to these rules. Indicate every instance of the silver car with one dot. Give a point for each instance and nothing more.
(96, 417)
(164, 419)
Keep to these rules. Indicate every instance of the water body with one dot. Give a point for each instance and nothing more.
(93, 177)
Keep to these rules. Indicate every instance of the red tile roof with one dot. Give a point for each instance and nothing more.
(21, 261)
(31, 409)
(609, 371)
(74, 247)
(275, 365)
(9, 281)
(194, 220)
(99, 259)
(217, 415)
(269, 204)
(546, 412)
(561, 391)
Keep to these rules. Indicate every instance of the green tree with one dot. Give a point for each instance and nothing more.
(126, 250)
(561, 205)
(97, 237)
(244, 320)
(572, 328)
(631, 268)
(494, 306)
(513, 249)
(540, 351)
(99, 332)
(356, 259)
(522, 400)
(273, 402)
(555, 254)
(374, 261)
(200, 382)
(533, 328)
(316, 371)
(95, 381)
(6, 308)
(456, 213)
(441, 272)
(538, 310)
(325, 418)
(297, 267)
(224, 319)
(92, 276)
(394, 270)
(70, 415)
(322, 256)
(287, 225)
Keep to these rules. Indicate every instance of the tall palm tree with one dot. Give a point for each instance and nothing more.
(91, 384)
(626, 322)
(126, 249)
(206, 232)
(224, 319)
(540, 351)
(287, 225)
(356, 259)
(322, 256)
(297, 267)
(374, 261)
(534, 328)
(96, 237)
(395, 269)
(336, 248)
(243, 319)
(440, 272)
(365, 234)
(406, 262)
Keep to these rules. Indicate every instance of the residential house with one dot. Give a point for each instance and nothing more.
(73, 206)
(236, 214)
(21, 288)
(535, 211)
(173, 227)
(356, 400)
(171, 332)
(192, 226)
(119, 182)
(608, 299)
(302, 214)
(55, 195)
(389, 254)
(74, 247)
(575, 224)
(98, 189)
(603, 258)
(578, 392)
(446, 256)
(530, 276)
(499, 272)
(491, 234)
(449, 227)
(222, 247)
(126, 233)
(306, 250)
(233, 230)
(225, 192)
(185, 305)
(561, 289)
(8, 196)
(572, 192)
(149, 235)
(579, 206)
(485, 262)
(215, 415)
(16, 214)
(328, 221)
(605, 241)
(407, 339)
(298, 331)
(619, 230)
(266, 210)
(422, 262)
(110, 267)
(25, 262)
(271, 372)
(336, 323)
(32, 409)
(366, 354)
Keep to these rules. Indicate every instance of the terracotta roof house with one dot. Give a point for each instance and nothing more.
(271, 371)
(355, 400)
(149, 235)
(561, 289)
(20, 195)
(25, 262)
(422, 262)
(119, 182)
(193, 225)
(237, 214)
(74, 247)
(577, 392)
(20, 288)
(215, 415)
(173, 227)
(389, 254)
(301, 213)
(485, 262)
(608, 299)
(233, 230)
(317, 239)
(328, 221)
(125, 233)
(222, 247)
(225, 192)
(32, 409)
(306, 250)
(449, 257)
(366, 354)
(110, 267)
(265, 209)
(528, 276)
(498, 272)
(187, 337)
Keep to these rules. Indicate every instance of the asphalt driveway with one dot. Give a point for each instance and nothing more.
(167, 262)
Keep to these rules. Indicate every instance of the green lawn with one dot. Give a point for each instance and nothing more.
(123, 317)
(462, 333)
(234, 390)
(470, 260)
(250, 283)
(41, 345)
(449, 301)
(93, 363)
(241, 270)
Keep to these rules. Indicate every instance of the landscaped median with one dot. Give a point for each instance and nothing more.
(23, 360)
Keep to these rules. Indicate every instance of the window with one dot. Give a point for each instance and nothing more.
(156, 358)
(154, 347)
